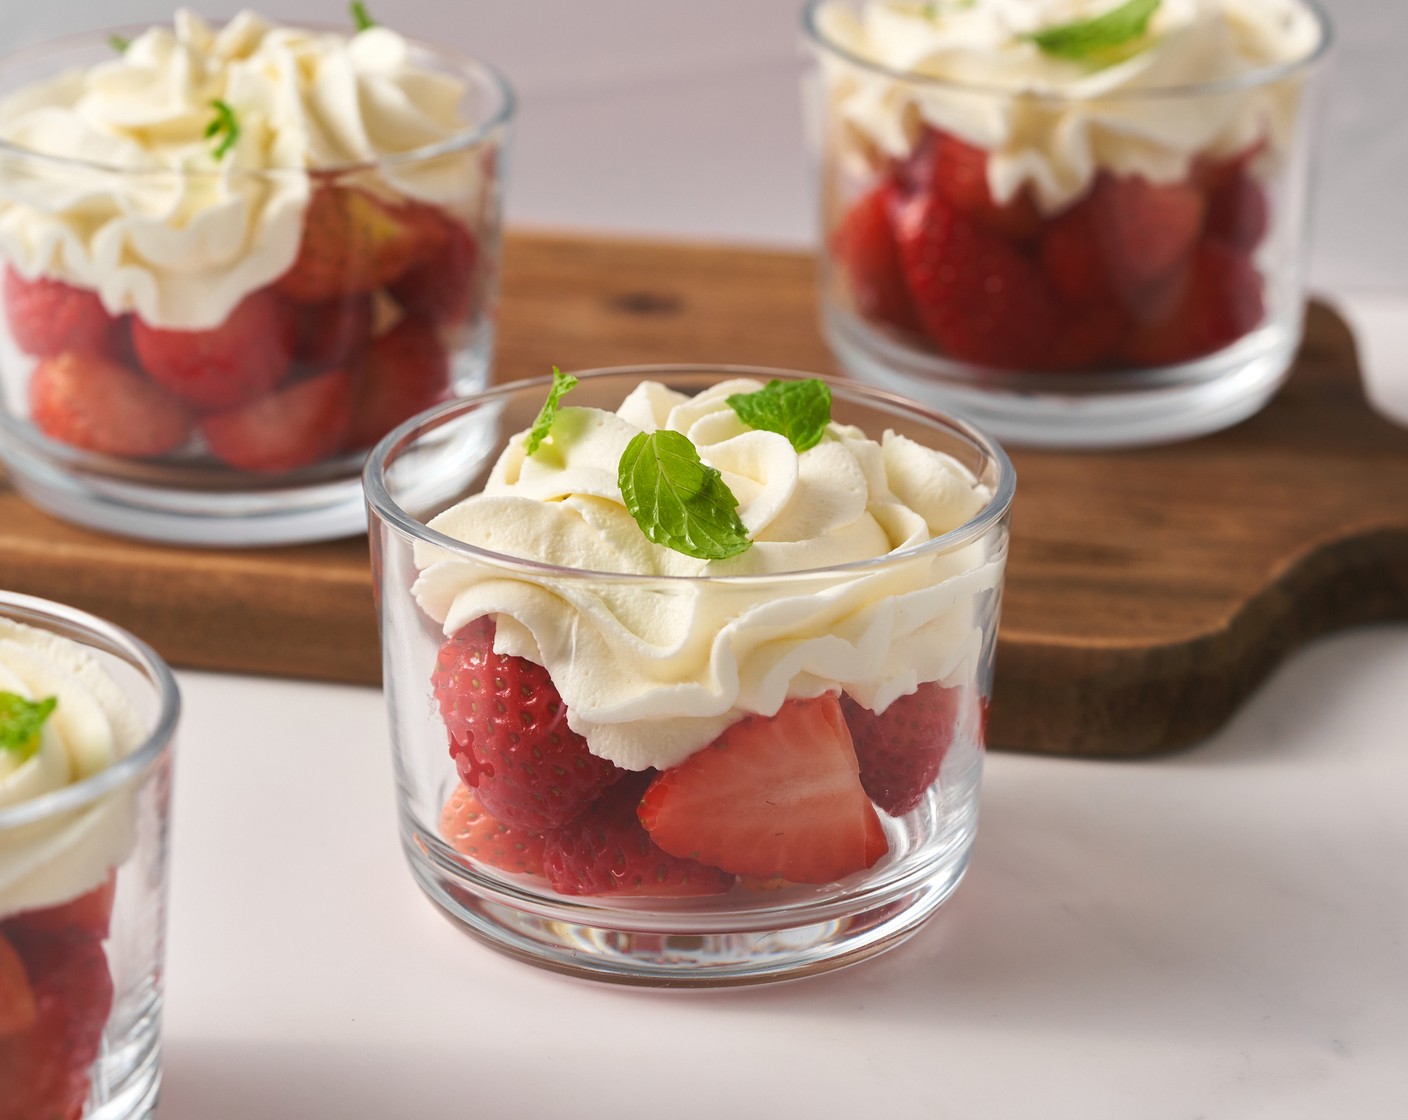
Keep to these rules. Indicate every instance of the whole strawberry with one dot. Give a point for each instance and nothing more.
(509, 735)
(88, 401)
(901, 750)
(48, 317)
(472, 832)
(605, 850)
(226, 366)
(292, 427)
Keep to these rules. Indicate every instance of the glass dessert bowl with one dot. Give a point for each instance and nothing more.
(87, 715)
(687, 676)
(233, 259)
(1077, 224)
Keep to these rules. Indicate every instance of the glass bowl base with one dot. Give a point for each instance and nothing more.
(1090, 411)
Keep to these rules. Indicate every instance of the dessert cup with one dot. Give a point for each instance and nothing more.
(1099, 258)
(203, 354)
(807, 638)
(83, 874)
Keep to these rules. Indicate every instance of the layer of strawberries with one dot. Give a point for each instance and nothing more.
(790, 798)
(1132, 275)
(339, 350)
(56, 993)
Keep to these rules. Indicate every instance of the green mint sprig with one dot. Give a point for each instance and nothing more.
(1105, 37)
(119, 44)
(225, 127)
(562, 383)
(677, 500)
(360, 17)
(21, 721)
(799, 410)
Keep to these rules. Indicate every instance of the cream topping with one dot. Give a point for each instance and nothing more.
(54, 860)
(652, 670)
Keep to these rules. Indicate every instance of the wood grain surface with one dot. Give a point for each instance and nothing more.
(1148, 591)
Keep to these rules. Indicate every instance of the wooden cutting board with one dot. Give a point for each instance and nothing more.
(1148, 591)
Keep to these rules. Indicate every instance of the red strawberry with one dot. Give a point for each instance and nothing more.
(17, 1007)
(352, 242)
(509, 734)
(1214, 302)
(958, 172)
(443, 285)
(606, 851)
(901, 749)
(1072, 256)
(229, 365)
(778, 796)
(472, 832)
(404, 372)
(978, 298)
(865, 247)
(90, 402)
(48, 317)
(1087, 337)
(289, 428)
(1238, 213)
(331, 334)
(1146, 230)
(44, 1070)
(89, 914)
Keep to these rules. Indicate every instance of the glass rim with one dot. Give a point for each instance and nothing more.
(112, 639)
(1249, 79)
(384, 507)
(459, 142)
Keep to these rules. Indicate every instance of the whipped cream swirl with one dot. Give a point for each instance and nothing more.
(1051, 122)
(653, 669)
(138, 208)
(54, 860)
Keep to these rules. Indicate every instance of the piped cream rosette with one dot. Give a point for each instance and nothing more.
(652, 670)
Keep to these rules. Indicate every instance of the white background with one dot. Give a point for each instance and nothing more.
(1220, 934)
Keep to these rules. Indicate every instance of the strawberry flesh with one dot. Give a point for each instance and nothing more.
(775, 796)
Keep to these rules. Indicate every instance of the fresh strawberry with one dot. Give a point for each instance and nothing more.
(330, 335)
(17, 1008)
(289, 428)
(91, 402)
(44, 1070)
(901, 749)
(48, 317)
(977, 297)
(88, 915)
(472, 832)
(1072, 256)
(226, 366)
(404, 372)
(958, 172)
(1238, 212)
(1146, 230)
(1087, 337)
(771, 796)
(865, 247)
(509, 735)
(606, 851)
(1214, 302)
(352, 242)
(443, 284)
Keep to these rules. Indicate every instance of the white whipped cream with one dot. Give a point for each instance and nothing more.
(652, 671)
(177, 235)
(55, 860)
(1089, 118)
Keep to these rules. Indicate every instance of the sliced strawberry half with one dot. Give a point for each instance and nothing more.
(865, 246)
(443, 284)
(330, 335)
(88, 401)
(48, 317)
(901, 750)
(1146, 230)
(1211, 304)
(405, 371)
(289, 428)
(605, 850)
(772, 796)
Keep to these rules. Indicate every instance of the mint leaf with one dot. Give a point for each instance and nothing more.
(799, 410)
(225, 126)
(119, 44)
(678, 501)
(562, 383)
(1090, 38)
(360, 16)
(21, 721)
